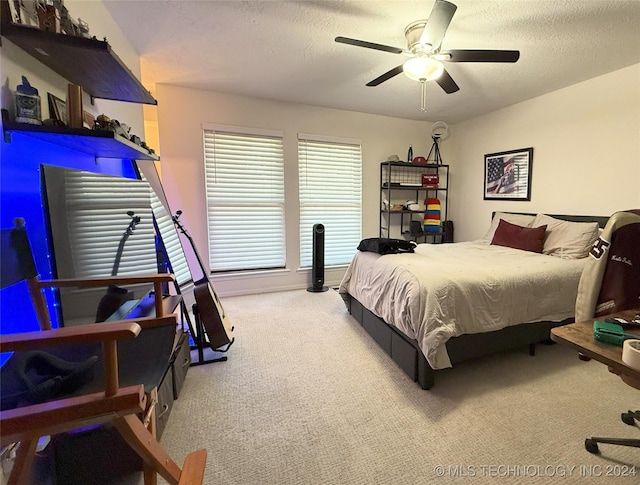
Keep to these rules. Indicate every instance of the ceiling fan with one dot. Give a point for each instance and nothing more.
(424, 40)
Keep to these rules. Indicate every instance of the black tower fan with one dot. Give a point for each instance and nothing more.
(317, 270)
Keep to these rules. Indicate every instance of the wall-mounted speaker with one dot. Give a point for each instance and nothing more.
(317, 268)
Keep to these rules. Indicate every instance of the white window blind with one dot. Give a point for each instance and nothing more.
(330, 186)
(97, 207)
(244, 176)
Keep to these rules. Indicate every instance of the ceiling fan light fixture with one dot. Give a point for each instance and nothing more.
(423, 68)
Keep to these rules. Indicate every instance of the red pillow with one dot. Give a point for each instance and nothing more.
(518, 237)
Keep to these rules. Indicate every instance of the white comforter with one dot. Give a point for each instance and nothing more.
(445, 290)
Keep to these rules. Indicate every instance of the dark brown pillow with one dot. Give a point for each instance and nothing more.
(518, 237)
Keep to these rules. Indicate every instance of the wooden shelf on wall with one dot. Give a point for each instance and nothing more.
(89, 63)
(100, 144)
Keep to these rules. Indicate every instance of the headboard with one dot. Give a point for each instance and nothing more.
(601, 220)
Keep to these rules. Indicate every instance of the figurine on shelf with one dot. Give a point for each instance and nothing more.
(67, 25)
(25, 12)
(146, 147)
(104, 123)
(47, 17)
(83, 28)
(27, 103)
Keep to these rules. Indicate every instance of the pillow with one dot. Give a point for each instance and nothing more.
(524, 220)
(518, 237)
(568, 240)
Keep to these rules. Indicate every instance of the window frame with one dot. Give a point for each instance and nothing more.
(251, 237)
(335, 254)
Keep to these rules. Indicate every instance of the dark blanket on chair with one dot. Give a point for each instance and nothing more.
(142, 360)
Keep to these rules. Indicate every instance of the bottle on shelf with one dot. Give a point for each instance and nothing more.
(27, 104)
(410, 154)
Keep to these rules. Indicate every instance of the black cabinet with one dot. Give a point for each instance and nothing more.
(404, 183)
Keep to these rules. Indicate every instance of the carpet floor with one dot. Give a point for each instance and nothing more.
(307, 397)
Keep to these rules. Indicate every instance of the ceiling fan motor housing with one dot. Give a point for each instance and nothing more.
(413, 32)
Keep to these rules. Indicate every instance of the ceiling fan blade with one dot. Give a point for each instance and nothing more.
(471, 55)
(446, 82)
(437, 24)
(369, 45)
(386, 76)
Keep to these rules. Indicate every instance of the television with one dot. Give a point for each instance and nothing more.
(103, 225)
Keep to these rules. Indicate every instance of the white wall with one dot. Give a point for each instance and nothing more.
(181, 113)
(586, 152)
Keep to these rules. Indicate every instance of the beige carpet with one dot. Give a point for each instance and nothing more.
(306, 397)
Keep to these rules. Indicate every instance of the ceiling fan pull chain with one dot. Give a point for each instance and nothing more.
(423, 97)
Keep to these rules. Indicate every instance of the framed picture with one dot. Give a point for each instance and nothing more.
(507, 175)
(57, 108)
(88, 120)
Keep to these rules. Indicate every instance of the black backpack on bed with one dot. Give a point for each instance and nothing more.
(386, 246)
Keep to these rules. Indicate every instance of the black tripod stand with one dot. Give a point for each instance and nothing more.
(435, 150)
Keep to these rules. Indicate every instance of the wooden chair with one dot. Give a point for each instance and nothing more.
(128, 407)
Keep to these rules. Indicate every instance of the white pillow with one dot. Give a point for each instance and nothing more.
(568, 240)
(523, 220)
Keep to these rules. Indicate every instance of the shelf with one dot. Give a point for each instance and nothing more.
(413, 180)
(414, 165)
(101, 144)
(410, 187)
(423, 234)
(404, 211)
(89, 63)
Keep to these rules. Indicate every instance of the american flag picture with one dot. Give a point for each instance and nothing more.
(507, 175)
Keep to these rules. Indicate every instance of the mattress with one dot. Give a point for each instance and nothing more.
(446, 290)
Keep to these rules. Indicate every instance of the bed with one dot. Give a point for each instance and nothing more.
(447, 303)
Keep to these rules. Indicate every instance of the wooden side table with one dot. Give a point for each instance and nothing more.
(579, 336)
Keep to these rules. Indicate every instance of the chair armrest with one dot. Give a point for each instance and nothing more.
(157, 279)
(67, 414)
(102, 332)
(107, 280)
(93, 332)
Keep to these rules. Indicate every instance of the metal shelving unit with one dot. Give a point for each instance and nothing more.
(399, 182)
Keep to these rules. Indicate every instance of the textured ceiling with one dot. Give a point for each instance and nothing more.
(285, 50)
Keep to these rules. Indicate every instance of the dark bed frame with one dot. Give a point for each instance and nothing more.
(407, 354)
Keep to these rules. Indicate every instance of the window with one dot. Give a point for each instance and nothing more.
(330, 185)
(244, 176)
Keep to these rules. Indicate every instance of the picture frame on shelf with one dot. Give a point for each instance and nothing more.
(57, 108)
(507, 175)
(88, 120)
